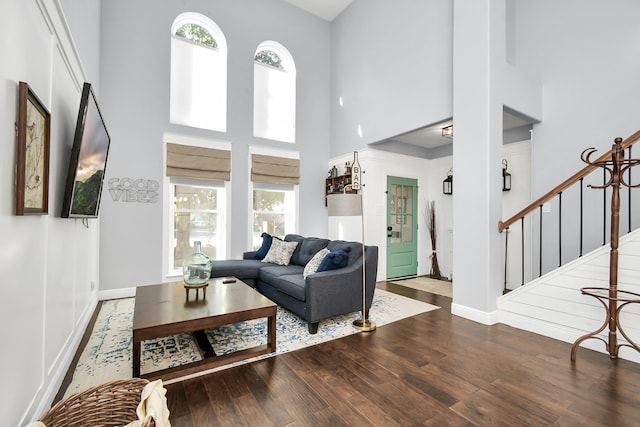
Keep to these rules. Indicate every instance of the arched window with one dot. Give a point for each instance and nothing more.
(274, 93)
(198, 73)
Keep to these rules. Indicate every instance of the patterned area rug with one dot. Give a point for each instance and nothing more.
(427, 284)
(107, 355)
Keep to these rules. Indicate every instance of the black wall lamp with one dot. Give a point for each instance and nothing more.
(506, 177)
(447, 184)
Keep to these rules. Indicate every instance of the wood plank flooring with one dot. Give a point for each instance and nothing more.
(433, 369)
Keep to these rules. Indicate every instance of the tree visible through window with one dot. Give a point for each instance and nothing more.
(198, 73)
(274, 93)
(270, 58)
(273, 211)
(197, 34)
(197, 216)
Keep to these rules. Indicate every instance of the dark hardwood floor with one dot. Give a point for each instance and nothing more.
(432, 369)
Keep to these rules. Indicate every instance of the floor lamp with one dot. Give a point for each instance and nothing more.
(345, 204)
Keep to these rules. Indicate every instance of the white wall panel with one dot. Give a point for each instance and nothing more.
(39, 301)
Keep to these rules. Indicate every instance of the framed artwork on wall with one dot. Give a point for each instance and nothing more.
(32, 160)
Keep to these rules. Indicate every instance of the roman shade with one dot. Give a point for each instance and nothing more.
(187, 161)
(274, 170)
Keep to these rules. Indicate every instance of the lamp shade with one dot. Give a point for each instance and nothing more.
(344, 204)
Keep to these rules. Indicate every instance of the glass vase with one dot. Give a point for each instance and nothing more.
(196, 268)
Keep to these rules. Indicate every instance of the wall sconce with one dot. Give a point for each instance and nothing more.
(447, 184)
(506, 177)
(447, 131)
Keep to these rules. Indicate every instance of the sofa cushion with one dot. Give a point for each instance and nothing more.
(355, 251)
(287, 279)
(334, 260)
(240, 268)
(266, 245)
(280, 252)
(312, 265)
(306, 249)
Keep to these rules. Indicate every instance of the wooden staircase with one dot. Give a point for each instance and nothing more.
(552, 304)
(595, 291)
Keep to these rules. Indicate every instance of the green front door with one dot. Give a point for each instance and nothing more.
(402, 243)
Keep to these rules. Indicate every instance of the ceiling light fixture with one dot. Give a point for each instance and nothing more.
(447, 131)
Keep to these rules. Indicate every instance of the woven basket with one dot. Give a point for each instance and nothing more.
(110, 404)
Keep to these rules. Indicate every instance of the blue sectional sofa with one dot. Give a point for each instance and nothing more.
(320, 295)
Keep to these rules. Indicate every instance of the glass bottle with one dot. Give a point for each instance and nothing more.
(196, 269)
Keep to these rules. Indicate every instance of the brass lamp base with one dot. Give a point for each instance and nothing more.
(364, 325)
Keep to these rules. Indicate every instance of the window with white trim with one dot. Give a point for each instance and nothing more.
(197, 214)
(198, 73)
(274, 93)
(274, 210)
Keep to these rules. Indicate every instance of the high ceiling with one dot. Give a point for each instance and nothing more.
(325, 9)
(427, 137)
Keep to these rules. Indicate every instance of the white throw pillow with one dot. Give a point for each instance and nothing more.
(280, 252)
(312, 265)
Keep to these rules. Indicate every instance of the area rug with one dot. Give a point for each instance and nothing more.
(427, 284)
(107, 355)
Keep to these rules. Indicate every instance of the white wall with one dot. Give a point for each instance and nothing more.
(135, 80)
(587, 55)
(392, 66)
(49, 264)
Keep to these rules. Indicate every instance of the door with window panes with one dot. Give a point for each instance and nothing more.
(402, 246)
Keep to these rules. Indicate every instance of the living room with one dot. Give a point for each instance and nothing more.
(393, 64)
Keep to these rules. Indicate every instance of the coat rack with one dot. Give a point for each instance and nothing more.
(612, 298)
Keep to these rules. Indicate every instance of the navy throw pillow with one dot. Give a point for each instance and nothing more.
(266, 245)
(334, 260)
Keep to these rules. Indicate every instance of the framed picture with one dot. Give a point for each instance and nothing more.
(32, 169)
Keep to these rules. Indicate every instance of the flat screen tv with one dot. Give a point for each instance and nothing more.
(88, 160)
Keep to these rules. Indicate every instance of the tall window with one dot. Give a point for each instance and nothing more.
(275, 186)
(198, 214)
(274, 211)
(274, 93)
(198, 73)
(196, 192)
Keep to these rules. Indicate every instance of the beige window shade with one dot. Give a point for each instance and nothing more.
(187, 161)
(274, 170)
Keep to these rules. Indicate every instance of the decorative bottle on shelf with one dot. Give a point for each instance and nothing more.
(196, 269)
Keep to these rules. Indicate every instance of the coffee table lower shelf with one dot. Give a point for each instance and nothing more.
(209, 361)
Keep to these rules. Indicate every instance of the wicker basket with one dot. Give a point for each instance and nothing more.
(110, 404)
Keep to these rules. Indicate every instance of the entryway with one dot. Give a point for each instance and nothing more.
(402, 242)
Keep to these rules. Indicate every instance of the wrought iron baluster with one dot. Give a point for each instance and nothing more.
(540, 248)
(581, 215)
(604, 207)
(506, 251)
(559, 229)
(629, 195)
(522, 248)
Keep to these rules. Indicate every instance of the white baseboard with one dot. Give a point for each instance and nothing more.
(484, 317)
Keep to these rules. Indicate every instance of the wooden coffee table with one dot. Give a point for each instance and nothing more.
(163, 310)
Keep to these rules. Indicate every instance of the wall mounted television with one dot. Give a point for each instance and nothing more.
(88, 160)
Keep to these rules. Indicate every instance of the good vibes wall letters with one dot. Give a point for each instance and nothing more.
(134, 190)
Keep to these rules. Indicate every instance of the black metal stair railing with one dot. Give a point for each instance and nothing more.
(585, 230)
